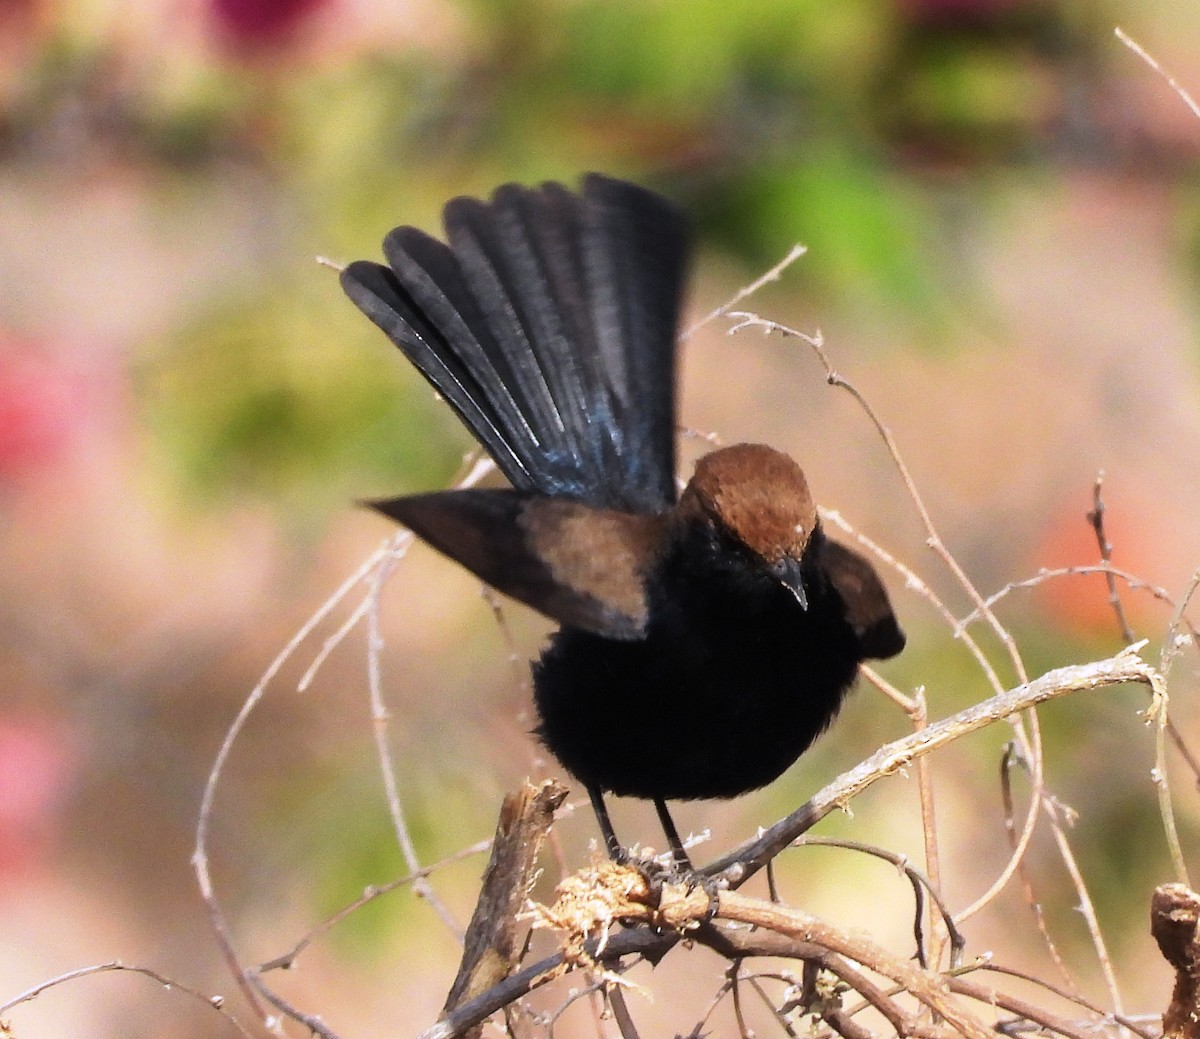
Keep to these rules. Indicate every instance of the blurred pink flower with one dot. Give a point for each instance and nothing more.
(43, 405)
(261, 23)
(36, 764)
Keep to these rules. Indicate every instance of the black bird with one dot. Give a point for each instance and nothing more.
(709, 636)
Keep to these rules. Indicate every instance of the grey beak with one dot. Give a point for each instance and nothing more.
(788, 572)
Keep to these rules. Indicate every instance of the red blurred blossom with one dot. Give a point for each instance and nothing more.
(46, 406)
(24, 32)
(1080, 603)
(20, 15)
(255, 24)
(40, 407)
(36, 766)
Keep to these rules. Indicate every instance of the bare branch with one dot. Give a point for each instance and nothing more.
(1096, 519)
(920, 883)
(1124, 1020)
(1008, 759)
(1088, 911)
(380, 717)
(1133, 582)
(1023, 1008)
(1137, 49)
(216, 1003)
(926, 987)
(616, 999)
(491, 949)
(313, 1022)
(1127, 666)
(769, 1003)
(639, 941)
(288, 959)
(773, 274)
(216, 914)
(1175, 924)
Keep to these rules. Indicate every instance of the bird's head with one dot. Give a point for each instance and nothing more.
(758, 497)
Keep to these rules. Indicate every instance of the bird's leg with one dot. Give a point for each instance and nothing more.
(680, 856)
(615, 851)
(684, 870)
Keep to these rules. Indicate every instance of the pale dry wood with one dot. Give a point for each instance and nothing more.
(492, 944)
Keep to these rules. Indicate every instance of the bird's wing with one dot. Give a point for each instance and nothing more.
(577, 565)
(547, 321)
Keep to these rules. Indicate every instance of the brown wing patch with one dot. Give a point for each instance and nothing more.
(577, 565)
(600, 553)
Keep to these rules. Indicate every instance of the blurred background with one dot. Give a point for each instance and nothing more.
(1002, 210)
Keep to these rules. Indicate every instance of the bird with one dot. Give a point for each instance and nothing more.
(706, 636)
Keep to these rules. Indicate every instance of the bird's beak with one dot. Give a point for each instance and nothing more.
(790, 576)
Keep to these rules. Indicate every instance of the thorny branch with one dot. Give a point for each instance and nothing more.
(1026, 727)
(212, 1002)
(733, 924)
(249, 979)
(1096, 519)
(782, 931)
(1127, 666)
(1027, 732)
(1175, 924)
(771, 934)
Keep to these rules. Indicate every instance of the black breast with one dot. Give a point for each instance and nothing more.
(733, 681)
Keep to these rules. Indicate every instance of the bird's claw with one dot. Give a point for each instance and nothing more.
(670, 891)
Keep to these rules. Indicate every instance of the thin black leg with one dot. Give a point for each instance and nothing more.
(615, 851)
(668, 825)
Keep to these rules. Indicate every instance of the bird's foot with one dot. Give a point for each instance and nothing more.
(672, 891)
(695, 880)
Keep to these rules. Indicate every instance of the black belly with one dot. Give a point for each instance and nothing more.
(720, 697)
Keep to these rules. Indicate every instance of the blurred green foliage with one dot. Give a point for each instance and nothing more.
(256, 397)
(772, 121)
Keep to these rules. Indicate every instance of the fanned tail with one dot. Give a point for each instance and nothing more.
(548, 322)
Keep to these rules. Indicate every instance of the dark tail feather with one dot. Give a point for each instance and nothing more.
(378, 293)
(539, 334)
(635, 259)
(548, 323)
